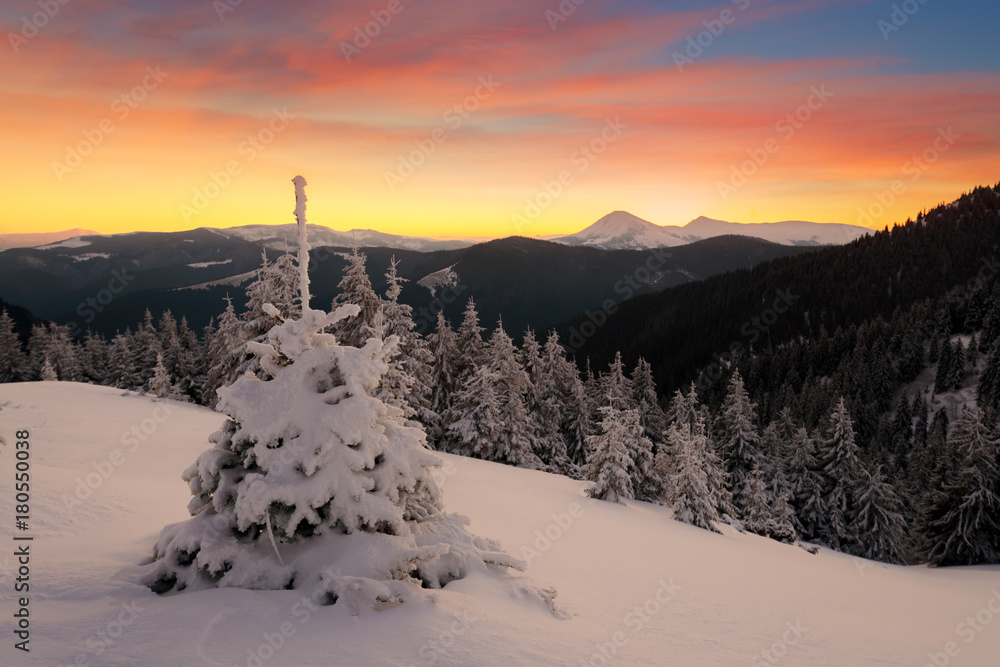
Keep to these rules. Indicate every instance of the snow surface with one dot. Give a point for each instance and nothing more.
(75, 242)
(205, 265)
(446, 277)
(629, 578)
(87, 256)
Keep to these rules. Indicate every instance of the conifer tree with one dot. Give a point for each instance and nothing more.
(161, 385)
(191, 371)
(471, 349)
(608, 461)
(687, 488)
(738, 439)
(764, 515)
(122, 369)
(356, 287)
(806, 485)
(515, 442)
(170, 343)
(963, 517)
(12, 358)
(570, 403)
(443, 347)
(956, 377)
(473, 420)
(617, 388)
(226, 352)
(654, 421)
(146, 346)
(843, 472)
(48, 373)
(94, 359)
(312, 467)
(989, 381)
(945, 372)
(880, 524)
(409, 376)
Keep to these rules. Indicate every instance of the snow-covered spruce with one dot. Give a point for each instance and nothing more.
(315, 482)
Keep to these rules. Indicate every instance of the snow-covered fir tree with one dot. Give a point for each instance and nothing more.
(687, 488)
(444, 349)
(48, 372)
(570, 403)
(122, 369)
(654, 421)
(736, 435)
(608, 460)
(515, 442)
(356, 288)
(191, 371)
(880, 525)
(13, 361)
(766, 515)
(962, 522)
(170, 342)
(545, 404)
(806, 487)
(226, 352)
(161, 385)
(473, 420)
(839, 457)
(615, 387)
(315, 483)
(469, 341)
(94, 359)
(408, 381)
(146, 346)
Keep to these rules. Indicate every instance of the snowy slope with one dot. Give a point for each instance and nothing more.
(623, 231)
(630, 580)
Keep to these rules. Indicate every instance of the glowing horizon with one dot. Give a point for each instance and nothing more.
(458, 121)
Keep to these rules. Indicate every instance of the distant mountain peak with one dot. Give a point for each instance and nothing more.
(620, 230)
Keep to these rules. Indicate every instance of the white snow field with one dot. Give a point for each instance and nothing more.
(634, 586)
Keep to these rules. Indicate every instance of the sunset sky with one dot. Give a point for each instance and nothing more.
(459, 118)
